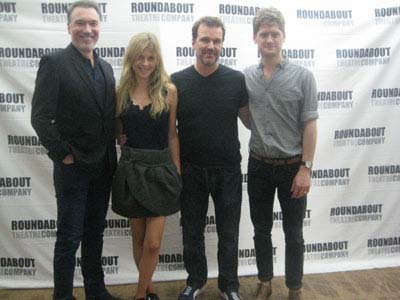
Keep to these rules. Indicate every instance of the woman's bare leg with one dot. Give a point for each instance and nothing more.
(149, 255)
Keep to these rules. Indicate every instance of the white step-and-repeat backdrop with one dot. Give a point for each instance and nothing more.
(353, 214)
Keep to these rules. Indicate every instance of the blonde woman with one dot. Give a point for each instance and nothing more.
(147, 184)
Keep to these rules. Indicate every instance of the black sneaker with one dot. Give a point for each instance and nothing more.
(190, 293)
(231, 295)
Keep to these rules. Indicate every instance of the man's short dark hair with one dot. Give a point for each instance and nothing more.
(84, 4)
(209, 22)
(269, 16)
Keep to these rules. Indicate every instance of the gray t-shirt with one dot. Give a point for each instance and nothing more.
(279, 107)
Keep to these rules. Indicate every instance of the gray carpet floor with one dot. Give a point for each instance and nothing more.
(374, 284)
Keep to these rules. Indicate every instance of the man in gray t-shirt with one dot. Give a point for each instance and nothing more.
(283, 106)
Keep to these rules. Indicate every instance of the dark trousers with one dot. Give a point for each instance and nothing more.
(263, 181)
(82, 203)
(225, 186)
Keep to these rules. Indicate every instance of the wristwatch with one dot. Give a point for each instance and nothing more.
(307, 164)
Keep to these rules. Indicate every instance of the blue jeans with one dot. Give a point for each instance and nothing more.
(225, 186)
(82, 204)
(263, 180)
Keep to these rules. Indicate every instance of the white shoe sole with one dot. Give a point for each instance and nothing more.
(198, 292)
(225, 296)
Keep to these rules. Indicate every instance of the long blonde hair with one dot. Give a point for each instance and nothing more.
(159, 79)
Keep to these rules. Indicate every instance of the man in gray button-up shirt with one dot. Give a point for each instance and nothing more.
(283, 106)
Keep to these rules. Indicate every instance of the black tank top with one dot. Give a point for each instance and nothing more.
(142, 130)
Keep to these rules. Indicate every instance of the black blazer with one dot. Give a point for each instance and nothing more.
(68, 117)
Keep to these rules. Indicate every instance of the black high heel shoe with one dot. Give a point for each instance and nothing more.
(152, 296)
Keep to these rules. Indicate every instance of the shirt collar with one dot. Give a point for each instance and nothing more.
(280, 65)
(84, 59)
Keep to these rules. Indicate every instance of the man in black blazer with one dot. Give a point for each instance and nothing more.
(73, 109)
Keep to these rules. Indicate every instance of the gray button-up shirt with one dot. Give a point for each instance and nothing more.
(279, 107)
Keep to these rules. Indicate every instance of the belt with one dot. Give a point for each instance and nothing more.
(277, 161)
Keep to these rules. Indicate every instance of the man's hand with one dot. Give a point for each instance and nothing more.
(301, 183)
(122, 138)
(68, 160)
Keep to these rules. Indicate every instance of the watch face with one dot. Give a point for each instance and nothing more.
(307, 164)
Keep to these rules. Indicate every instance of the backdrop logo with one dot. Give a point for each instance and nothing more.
(55, 12)
(244, 181)
(356, 214)
(247, 256)
(24, 144)
(110, 265)
(8, 12)
(237, 14)
(331, 177)
(211, 226)
(162, 12)
(363, 57)
(33, 229)
(113, 55)
(228, 56)
(329, 100)
(383, 245)
(384, 173)
(117, 227)
(185, 56)
(15, 186)
(17, 266)
(244, 178)
(387, 15)
(359, 137)
(23, 57)
(12, 102)
(326, 250)
(278, 217)
(335, 18)
(301, 57)
(385, 97)
(170, 262)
